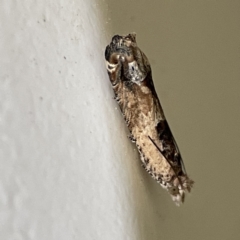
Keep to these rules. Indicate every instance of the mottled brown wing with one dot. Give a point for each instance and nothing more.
(131, 78)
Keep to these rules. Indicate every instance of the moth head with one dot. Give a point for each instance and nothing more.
(116, 39)
(123, 53)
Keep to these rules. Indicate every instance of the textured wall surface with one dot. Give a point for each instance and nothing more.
(67, 168)
(63, 142)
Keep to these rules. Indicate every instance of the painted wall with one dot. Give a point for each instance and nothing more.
(67, 168)
(63, 142)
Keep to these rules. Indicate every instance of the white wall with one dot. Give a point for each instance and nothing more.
(65, 165)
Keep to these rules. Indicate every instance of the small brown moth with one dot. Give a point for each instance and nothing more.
(131, 78)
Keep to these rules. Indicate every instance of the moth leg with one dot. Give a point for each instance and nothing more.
(113, 65)
(114, 55)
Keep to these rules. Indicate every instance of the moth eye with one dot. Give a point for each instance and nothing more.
(132, 68)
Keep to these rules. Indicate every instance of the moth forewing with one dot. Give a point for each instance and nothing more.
(131, 78)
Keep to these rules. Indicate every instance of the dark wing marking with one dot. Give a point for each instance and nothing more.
(170, 149)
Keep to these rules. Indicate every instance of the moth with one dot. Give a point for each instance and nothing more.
(131, 78)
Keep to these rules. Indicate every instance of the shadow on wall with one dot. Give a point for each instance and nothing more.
(150, 207)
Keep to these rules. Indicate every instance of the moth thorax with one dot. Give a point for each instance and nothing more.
(134, 73)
